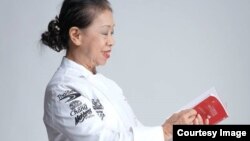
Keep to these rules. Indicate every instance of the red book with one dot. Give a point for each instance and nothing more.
(210, 106)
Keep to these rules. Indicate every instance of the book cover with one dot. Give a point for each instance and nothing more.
(209, 105)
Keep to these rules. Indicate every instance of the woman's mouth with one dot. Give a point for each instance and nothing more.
(106, 54)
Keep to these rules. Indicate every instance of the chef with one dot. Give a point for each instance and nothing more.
(81, 104)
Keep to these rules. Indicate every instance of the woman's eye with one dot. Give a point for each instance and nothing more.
(105, 33)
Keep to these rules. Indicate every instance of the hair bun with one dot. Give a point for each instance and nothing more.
(52, 37)
(54, 26)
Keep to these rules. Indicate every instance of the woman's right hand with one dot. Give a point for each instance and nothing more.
(184, 117)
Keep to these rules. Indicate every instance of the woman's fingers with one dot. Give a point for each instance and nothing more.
(198, 120)
(186, 116)
(189, 112)
(207, 121)
(189, 117)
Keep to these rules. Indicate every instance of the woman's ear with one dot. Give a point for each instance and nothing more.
(75, 35)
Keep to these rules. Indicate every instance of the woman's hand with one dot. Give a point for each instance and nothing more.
(187, 117)
(198, 120)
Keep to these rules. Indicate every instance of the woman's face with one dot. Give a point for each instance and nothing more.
(97, 40)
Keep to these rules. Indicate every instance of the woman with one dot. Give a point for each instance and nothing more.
(82, 104)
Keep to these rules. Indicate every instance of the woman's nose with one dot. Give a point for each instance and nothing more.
(111, 40)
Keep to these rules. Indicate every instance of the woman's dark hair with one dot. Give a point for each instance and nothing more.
(78, 13)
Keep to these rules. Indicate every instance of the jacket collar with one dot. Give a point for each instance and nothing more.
(70, 64)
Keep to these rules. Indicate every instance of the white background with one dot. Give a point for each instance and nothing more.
(167, 52)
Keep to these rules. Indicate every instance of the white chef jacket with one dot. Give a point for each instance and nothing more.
(81, 106)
